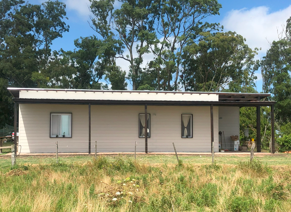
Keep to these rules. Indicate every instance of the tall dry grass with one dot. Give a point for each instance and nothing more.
(124, 185)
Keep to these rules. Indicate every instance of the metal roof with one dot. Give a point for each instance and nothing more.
(14, 90)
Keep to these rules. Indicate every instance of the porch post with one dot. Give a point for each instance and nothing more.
(211, 120)
(15, 129)
(259, 129)
(273, 128)
(146, 129)
(89, 107)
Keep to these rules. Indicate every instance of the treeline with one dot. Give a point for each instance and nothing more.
(187, 52)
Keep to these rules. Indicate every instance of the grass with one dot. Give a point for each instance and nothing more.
(153, 183)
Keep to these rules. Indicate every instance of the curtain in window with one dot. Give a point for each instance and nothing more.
(185, 119)
(142, 121)
(56, 119)
(66, 125)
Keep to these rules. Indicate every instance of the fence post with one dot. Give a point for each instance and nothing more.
(1, 144)
(95, 149)
(57, 152)
(252, 151)
(135, 151)
(176, 153)
(212, 151)
(13, 158)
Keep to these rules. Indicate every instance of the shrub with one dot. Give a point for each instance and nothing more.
(211, 167)
(242, 204)
(254, 167)
(207, 196)
(271, 205)
(100, 162)
(284, 143)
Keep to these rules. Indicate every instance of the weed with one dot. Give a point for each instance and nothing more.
(207, 196)
(255, 168)
(212, 167)
(91, 190)
(121, 184)
(271, 205)
(242, 204)
(145, 180)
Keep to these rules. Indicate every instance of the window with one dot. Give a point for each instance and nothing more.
(141, 125)
(187, 126)
(61, 125)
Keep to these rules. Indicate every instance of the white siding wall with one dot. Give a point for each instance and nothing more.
(116, 128)
(34, 128)
(229, 124)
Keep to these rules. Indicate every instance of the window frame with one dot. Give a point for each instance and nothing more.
(59, 113)
(150, 125)
(182, 125)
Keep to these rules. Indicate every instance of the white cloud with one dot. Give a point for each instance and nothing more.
(257, 25)
(82, 7)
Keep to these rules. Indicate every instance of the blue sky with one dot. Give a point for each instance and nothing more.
(259, 21)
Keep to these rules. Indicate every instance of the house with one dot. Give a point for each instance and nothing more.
(76, 118)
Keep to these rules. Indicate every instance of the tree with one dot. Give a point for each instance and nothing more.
(130, 28)
(219, 62)
(117, 78)
(27, 32)
(178, 23)
(276, 70)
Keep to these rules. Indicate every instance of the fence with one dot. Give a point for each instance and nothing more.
(7, 130)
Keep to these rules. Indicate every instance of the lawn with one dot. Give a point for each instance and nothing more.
(152, 183)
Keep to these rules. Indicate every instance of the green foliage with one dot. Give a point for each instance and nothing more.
(207, 196)
(255, 167)
(117, 79)
(217, 60)
(91, 190)
(214, 167)
(133, 26)
(248, 120)
(69, 186)
(242, 204)
(27, 32)
(284, 143)
(138, 27)
(276, 69)
(271, 205)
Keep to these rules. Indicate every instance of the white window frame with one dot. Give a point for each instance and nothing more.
(51, 124)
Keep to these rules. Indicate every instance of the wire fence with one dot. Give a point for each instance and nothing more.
(7, 130)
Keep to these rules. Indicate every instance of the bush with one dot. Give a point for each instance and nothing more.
(242, 204)
(255, 167)
(271, 205)
(284, 143)
(207, 196)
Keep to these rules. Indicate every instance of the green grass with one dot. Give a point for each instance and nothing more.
(153, 183)
(277, 159)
